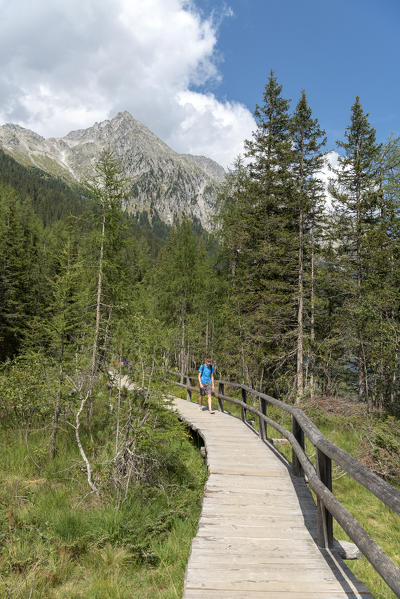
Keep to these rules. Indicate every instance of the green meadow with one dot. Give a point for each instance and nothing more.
(61, 542)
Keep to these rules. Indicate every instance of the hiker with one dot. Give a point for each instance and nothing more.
(206, 382)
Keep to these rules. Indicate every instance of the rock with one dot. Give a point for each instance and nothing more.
(164, 184)
(346, 550)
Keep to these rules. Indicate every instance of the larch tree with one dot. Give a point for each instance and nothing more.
(108, 189)
(64, 320)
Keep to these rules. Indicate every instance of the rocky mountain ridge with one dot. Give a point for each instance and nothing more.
(164, 182)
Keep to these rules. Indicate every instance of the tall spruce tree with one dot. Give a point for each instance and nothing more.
(271, 265)
(307, 138)
(356, 201)
(235, 217)
(381, 296)
(23, 287)
(180, 277)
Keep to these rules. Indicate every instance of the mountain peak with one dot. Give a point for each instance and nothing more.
(164, 183)
(123, 116)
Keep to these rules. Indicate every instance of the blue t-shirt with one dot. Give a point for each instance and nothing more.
(206, 372)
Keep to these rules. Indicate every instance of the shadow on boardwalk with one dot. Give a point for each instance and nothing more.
(257, 530)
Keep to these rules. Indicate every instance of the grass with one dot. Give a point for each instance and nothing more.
(348, 431)
(372, 440)
(58, 541)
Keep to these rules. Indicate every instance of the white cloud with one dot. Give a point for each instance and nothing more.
(326, 174)
(211, 127)
(65, 65)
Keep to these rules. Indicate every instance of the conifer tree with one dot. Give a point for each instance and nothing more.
(271, 267)
(356, 201)
(308, 139)
(108, 189)
(64, 320)
(381, 299)
(177, 283)
(23, 288)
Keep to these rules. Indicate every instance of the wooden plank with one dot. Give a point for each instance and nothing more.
(221, 594)
(282, 586)
(255, 534)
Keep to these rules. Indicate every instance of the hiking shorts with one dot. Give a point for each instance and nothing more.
(206, 389)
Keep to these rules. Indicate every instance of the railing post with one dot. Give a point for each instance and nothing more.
(299, 436)
(325, 520)
(188, 391)
(244, 399)
(221, 391)
(263, 424)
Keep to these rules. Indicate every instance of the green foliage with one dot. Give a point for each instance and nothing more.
(52, 199)
(284, 295)
(365, 237)
(21, 270)
(26, 386)
(137, 545)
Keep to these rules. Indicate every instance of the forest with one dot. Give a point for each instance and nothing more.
(295, 292)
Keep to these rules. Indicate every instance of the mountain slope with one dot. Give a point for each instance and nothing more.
(164, 183)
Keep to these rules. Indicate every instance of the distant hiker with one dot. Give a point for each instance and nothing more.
(206, 382)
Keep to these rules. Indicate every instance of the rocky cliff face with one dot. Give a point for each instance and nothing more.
(165, 183)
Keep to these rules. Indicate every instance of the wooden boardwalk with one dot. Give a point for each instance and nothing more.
(257, 527)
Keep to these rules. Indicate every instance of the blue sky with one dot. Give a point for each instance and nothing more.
(334, 50)
(193, 70)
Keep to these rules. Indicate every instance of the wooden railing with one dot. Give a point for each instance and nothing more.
(320, 477)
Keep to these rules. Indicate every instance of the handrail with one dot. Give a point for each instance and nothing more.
(320, 480)
(385, 492)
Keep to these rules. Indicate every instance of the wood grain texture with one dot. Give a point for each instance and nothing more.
(256, 535)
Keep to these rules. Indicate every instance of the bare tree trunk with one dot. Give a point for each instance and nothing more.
(361, 355)
(299, 373)
(182, 356)
(93, 365)
(312, 317)
(300, 332)
(81, 450)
